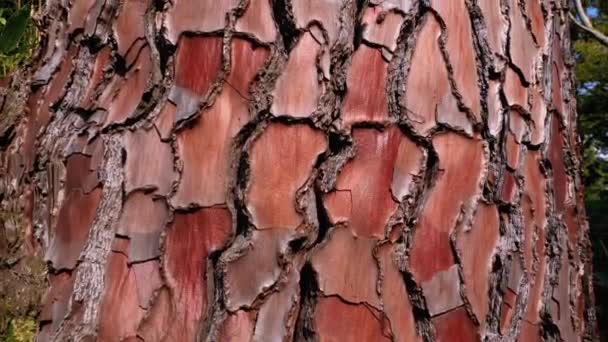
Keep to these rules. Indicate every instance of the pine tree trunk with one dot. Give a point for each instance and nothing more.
(223, 170)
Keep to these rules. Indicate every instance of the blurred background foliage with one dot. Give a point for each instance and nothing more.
(19, 36)
(592, 105)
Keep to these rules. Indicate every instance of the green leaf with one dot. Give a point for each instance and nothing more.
(14, 30)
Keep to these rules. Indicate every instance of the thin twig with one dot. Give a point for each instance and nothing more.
(586, 24)
(580, 10)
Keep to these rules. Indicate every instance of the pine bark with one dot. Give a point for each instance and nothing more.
(269, 170)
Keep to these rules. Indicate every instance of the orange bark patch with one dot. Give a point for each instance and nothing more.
(442, 292)
(258, 21)
(81, 173)
(496, 25)
(346, 267)
(381, 27)
(197, 63)
(539, 113)
(515, 92)
(509, 187)
(276, 319)
(461, 52)
(338, 205)
(246, 61)
(129, 25)
(527, 208)
(324, 12)
(455, 189)
(148, 280)
(535, 13)
(158, 319)
(366, 96)
(123, 95)
(55, 303)
(149, 163)
(529, 332)
(205, 148)
(205, 152)
(238, 327)
(72, 230)
(142, 220)
(164, 121)
(257, 269)
(557, 100)
(397, 305)
(78, 13)
(518, 126)
(196, 16)
(189, 241)
(281, 160)
(535, 297)
(572, 223)
(506, 311)
(394, 160)
(102, 61)
(476, 249)
(455, 326)
(408, 166)
(297, 89)
(523, 50)
(337, 321)
(120, 312)
(427, 87)
(513, 150)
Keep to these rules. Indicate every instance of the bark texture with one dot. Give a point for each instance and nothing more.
(255, 170)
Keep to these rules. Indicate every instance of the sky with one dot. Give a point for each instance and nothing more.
(592, 12)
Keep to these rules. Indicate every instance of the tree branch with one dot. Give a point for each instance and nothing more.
(586, 24)
(580, 11)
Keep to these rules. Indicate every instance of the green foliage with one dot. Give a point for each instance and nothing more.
(592, 106)
(22, 283)
(21, 330)
(18, 35)
(13, 30)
